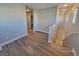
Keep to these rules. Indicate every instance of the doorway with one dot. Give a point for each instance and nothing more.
(29, 20)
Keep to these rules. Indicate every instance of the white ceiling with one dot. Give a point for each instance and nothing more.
(44, 5)
(36, 5)
(41, 5)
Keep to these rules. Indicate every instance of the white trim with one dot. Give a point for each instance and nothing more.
(35, 23)
(74, 51)
(49, 41)
(74, 16)
(52, 32)
(69, 35)
(3, 44)
(42, 31)
(57, 15)
(1, 48)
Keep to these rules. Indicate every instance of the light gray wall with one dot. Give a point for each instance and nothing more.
(69, 25)
(76, 26)
(73, 40)
(72, 27)
(29, 19)
(35, 21)
(45, 18)
(12, 21)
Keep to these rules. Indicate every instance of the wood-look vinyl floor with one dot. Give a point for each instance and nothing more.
(35, 44)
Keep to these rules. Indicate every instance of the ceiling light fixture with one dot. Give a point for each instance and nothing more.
(27, 10)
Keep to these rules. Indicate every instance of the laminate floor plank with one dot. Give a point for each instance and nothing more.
(35, 44)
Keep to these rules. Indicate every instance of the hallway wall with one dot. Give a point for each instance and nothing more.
(12, 21)
(73, 40)
(45, 18)
(29, 19)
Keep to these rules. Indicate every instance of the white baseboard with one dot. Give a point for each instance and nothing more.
(74, 51)
(50, 41)
(70, 34)
(1, 48)
(5, 43)
(42, 31)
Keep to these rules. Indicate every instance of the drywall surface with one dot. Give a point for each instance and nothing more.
(12, 21)
(69, 25)
(29, 19)
(45, 18)
(73, 39)
(35, 21)
(76, 25)
(73, 42)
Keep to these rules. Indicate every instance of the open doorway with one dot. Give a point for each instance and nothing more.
(29, 20)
